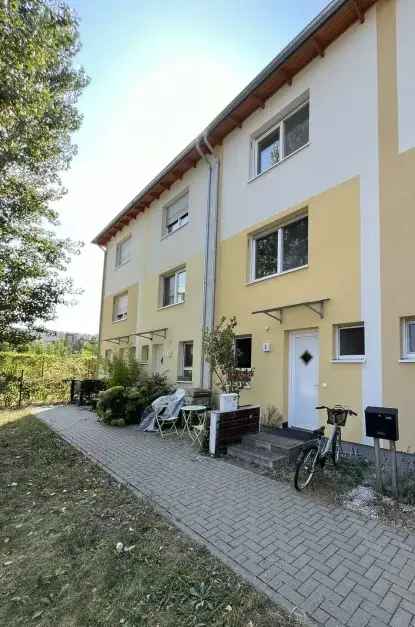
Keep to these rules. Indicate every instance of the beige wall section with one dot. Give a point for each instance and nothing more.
(153, 255)
(182, 321)
(124, 328)
(397, 219)
(333, 272)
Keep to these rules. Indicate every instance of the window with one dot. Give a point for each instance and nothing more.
(408, 338)
(123, 252)
(174, 288)
(243, 351)
(280, 250)
(283, 140)
(132, 353)
(108, 355)
(120, 309)
(145, 353)
(185, 361)
(176, 214)
(350, 342)
(121, 354)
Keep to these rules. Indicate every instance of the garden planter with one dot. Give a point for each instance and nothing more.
(228, 402)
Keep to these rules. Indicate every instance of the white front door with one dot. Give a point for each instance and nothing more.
(303, 379)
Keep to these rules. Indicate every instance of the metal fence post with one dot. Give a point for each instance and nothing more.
(378, 470)
(20, 389)
(392, 446)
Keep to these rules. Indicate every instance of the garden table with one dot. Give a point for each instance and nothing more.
(189, 413)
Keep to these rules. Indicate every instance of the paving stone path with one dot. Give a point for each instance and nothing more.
(335, 566)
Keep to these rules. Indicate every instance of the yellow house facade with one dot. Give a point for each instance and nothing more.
(301, 209)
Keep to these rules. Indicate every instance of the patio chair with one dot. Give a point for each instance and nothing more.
(167, 410)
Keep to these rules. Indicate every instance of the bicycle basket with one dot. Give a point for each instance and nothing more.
(337, 416)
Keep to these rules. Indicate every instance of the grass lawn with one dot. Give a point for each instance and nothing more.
(61, 518)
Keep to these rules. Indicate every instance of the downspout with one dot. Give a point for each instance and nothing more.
(209, 278)
(101, 314)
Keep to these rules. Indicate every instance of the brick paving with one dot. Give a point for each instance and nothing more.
(336, 567)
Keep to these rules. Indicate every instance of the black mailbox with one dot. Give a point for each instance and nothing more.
(382, 422)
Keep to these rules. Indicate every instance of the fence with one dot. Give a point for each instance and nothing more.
(34, 379)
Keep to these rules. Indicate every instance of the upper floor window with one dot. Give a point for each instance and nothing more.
(123, 252)
(120, 308)
(350, 342)
(174, 288)
(289, 135)
(281, 249)
(408, 338)
(176, 214)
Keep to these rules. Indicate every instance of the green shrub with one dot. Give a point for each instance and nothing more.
(120, 403)
(121, 372)
(111, 404)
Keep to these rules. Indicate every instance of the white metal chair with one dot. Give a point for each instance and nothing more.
(167, 410)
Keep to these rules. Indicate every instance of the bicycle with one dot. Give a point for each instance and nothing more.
(317, 451)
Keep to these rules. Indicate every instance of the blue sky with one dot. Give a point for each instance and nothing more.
(160, 71)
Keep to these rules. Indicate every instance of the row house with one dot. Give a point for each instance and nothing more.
(295, 211)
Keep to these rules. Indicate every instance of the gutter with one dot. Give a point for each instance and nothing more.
(209, 277)
(101, 313)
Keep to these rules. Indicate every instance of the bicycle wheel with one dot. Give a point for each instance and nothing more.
(305, 467)
(336, 448)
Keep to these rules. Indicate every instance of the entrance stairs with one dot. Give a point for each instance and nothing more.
(268, 449)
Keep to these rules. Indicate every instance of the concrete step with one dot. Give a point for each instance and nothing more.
(273, 443)
(257, 456)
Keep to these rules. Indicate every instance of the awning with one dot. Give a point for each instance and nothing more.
(317, 306)
(148, 335)
(122, 339)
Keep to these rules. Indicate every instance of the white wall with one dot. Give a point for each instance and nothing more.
(405, 26)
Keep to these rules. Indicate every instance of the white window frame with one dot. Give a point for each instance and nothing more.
(275, 229)
(182, 218)
(174, 274)
(118, 249)
(124, 315)
(340, 357)
(281, 126)
(182, 368)
(145, 361)
(407, 355)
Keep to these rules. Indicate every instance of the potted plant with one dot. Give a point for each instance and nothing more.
(220, 352)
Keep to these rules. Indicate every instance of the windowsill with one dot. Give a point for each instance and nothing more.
(407, 360)
(169, 306)
(283, 160)
(353, 360)
(184, 380)
(274, 276)
(118, 321)
(167, 235)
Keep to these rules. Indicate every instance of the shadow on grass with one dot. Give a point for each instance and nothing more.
(79, 549)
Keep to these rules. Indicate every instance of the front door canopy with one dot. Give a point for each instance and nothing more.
(148, 335)
(317, 306)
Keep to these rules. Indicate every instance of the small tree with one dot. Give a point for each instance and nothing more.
(221, 354)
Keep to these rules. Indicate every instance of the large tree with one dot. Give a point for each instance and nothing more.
(39, 89)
